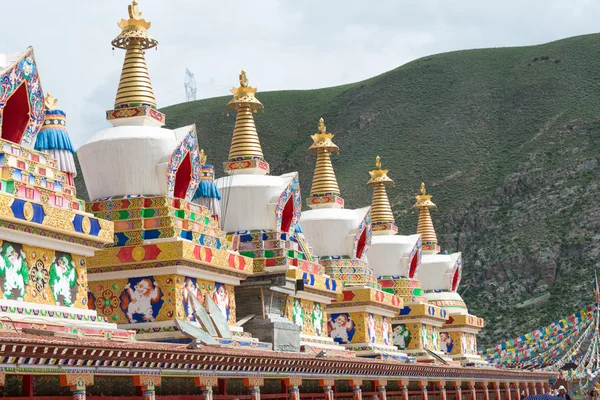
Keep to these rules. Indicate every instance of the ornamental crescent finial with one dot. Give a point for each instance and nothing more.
(423, 191)
(134, 12)
(202, 157)
(378, 162)
(243, 79)
(50, 102)
(322, 127)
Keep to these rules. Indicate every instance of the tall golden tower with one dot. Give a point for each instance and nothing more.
(245, 153)
(382, 218)
(135, 93)
(425, 226)
(325, 191)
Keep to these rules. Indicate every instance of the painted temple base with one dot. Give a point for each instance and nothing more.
(417, 331)
(360, 320)
(460, 331)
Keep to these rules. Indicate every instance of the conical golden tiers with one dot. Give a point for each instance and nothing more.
(425, 225)
(135, 87)
(245, 141)
(324, 180)
(382, 217)
(325, 191)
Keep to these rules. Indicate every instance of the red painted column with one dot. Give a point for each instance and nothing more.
(380, 385)
(441, 386)
(517, 391)
(356, 390)
(486, 390)
(472, 392)
(327, 385)
(404, 387)
(457, 388)
(423, 387)
(533, 388)
(27, 385)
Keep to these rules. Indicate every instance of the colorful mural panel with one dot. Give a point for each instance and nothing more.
(308, 315)
(359, 327)
(223, 295)
(401, 336)
(42, 276)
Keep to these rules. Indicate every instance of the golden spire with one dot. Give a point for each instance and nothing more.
(382, 218)
(325, 189)
(50, 102)
(202, 157)
(135, 87)
(425, 226)
(245, 152)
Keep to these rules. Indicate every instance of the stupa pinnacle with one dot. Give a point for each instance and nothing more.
(325, 191)
(382, 218)
(425, 226)
(245, 153)
(135, 91)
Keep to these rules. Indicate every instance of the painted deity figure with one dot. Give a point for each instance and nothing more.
(140, 299)
(371, 328)
(401, 336)
(221, 299)
(190, 289)
(463, 343)
(63, 278)
(435, 339)
(424, 338)
(386, 330)
(447, 344)
(14, 269)
(341, 328)
(298, 313)
(317, 318)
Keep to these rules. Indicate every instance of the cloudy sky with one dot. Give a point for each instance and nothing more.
(282, 44)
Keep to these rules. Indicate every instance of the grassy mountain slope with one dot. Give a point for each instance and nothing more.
(507, 140)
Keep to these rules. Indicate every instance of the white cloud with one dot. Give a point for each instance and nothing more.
(282, 44)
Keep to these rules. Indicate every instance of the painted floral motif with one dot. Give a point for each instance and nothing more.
(14, 270)
(141, 300)
(63, 279)
(39, 277)
(447, 344)
(317, 319)
(401, 336)
(221, 299)
(298, 313)
(341, 328)
(435, 339)
(106, 302)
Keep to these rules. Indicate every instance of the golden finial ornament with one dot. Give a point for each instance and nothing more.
(50, 102)
(134, 29)
(135, 87)
(324, 180)
(245, 144)
(382, 218)
(202, 157)
(244, 96)
(425, 225)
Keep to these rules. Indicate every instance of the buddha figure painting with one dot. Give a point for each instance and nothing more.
(341, 328)
(317, 319)
(298, 313)
(221, 299)
(14, 270)
(63, 279)
(401, 336)
(371, 328)
(141, 300)
(190, 289)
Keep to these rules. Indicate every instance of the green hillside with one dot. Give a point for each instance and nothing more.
(507, 141)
